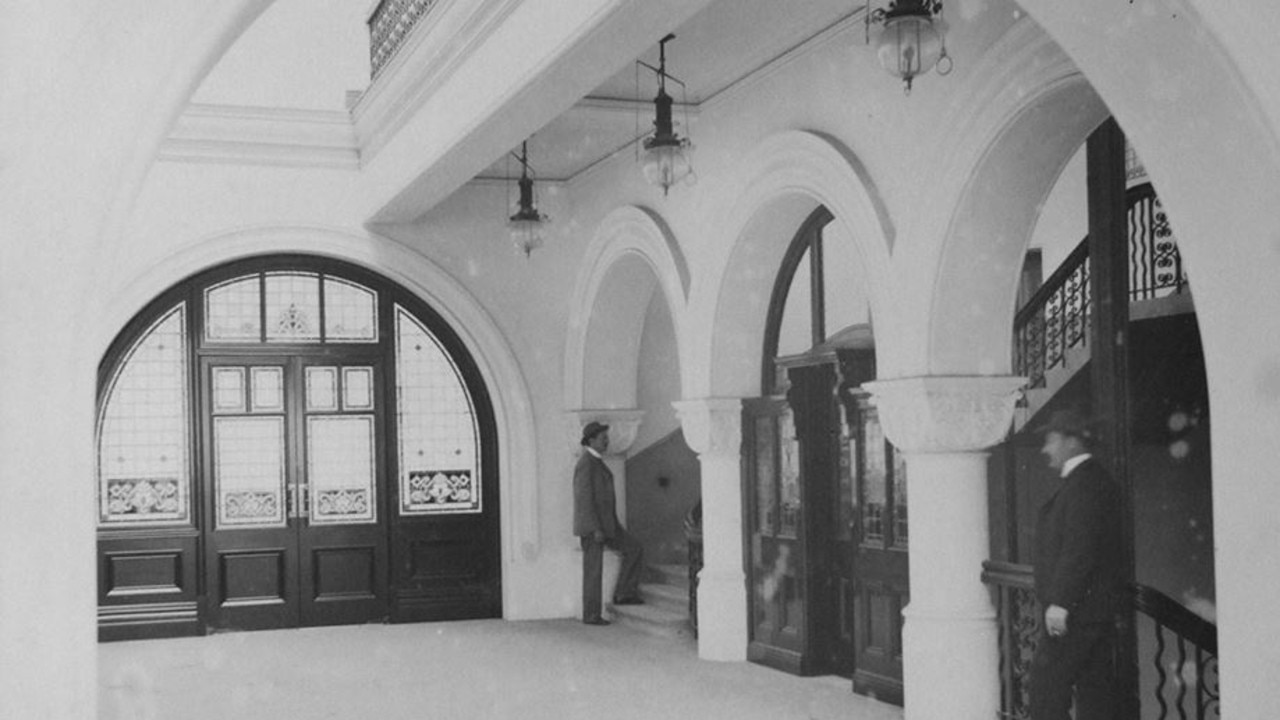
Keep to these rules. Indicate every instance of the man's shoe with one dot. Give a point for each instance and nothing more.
(629, 601)
(595, 621)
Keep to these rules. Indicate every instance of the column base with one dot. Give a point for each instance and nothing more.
(950, 667)
(722, 616)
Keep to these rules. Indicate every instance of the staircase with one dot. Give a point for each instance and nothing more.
(665, 612)
(1052, 330)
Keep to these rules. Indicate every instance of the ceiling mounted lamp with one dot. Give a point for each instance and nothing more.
(527, 223)
(665, 160)
(912, 42)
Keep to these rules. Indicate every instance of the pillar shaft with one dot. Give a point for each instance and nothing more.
(713, 429)
(943, 425)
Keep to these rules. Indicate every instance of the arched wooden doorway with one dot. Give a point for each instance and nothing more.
(292, 441)
(825, 493)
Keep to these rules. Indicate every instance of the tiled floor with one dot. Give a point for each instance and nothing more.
(554, 669)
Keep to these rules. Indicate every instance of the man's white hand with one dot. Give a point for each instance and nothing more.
(1055, 620)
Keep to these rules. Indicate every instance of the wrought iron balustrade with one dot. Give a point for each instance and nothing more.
(1056, 318)
(1184, 653)
(389, 26)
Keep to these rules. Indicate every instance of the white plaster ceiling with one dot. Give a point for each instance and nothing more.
(712, 51)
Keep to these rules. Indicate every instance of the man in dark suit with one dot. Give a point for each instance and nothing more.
(1078, 578)
(595, 521)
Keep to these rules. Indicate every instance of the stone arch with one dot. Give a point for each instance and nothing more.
(632, 256)
(512, 405)
(776, 187)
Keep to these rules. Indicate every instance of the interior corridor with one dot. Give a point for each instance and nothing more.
(554, 669)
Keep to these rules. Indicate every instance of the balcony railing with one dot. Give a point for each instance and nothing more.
(1182, 676)
(389, 26)
(1056, 318)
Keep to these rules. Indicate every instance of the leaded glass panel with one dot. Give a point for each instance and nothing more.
(228, 389)
(322, 388)
(143, 462)
(293, 307)
(268, 389)
(901, 529)
(341, 469)
(350, 312)
(249, 471)
(789, 470)
(766, 476)
(874, 480)
(233, 311)
(357, 388)
(438, 441)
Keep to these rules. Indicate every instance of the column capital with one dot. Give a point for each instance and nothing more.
(712, 426)
(940, 414)
(623, 426)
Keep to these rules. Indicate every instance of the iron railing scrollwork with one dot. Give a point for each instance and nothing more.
(389, 26)
(1056, 318)
(1184, 658)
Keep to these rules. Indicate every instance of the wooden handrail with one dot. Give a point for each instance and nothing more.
(1173, 615)
(1055, 282)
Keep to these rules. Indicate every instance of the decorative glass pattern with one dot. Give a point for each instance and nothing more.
(874, 480)
(293, 307)
(249, 470)
(143, 461)
(233, 311)
(228, 389)
(350, 312)
(901, 528)
(789, 472)
(322, 388)
(268, 389)
(438, 440)
(357, 388)
(341, 469)
(766, 474)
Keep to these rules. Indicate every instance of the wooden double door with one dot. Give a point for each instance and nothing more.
(295, 473)
(826, 511)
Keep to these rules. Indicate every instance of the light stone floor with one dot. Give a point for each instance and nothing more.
(552, 669)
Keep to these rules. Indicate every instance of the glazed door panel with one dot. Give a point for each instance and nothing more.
(880, 558)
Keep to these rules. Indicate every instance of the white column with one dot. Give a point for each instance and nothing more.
(943, 426)
(623, 427)
(713, 429)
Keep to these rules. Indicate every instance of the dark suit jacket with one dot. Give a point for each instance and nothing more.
(1078, 546)
(594, 502)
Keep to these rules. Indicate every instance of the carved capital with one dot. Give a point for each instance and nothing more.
(712, 426)
(623, 427)
(937, 414)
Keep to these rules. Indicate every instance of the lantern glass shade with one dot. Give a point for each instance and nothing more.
(526, 233)
(909, 45)
(666, 163)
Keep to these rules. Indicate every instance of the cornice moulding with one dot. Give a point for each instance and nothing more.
(241, 135)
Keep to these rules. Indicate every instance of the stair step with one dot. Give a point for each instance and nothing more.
(653, 620)
(669, 597)
(677, 575)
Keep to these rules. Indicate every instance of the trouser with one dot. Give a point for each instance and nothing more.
(1083, 659)
(628, 584)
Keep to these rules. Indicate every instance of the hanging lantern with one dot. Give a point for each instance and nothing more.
(527, 223)
(665, 161)
(912, 42)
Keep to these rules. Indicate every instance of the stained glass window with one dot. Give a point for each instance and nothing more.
(357, 388)
(293, 307)
(143, 462)
(341, 469)
(233, 311)
(322, 388)
(438, 439)
(249, 470)
(350, 312)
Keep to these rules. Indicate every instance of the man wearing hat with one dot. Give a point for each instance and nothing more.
(595, 521)
(1078, 578)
